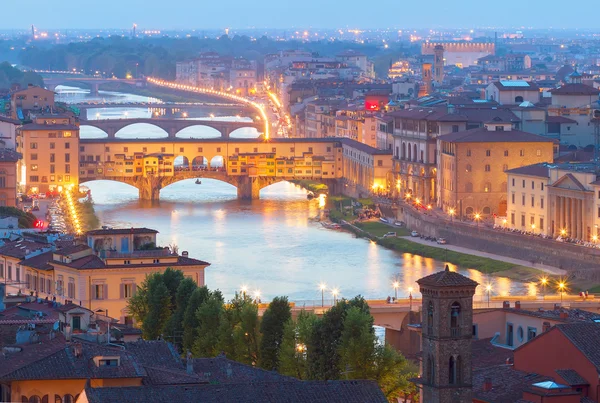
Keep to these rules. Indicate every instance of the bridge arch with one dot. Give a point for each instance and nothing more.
(181, 163)
(91, 132)
(199, 131)
(153, 131)
(244, 133)
(199, 162)
(218, 161)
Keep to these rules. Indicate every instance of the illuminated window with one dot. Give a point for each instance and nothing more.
(34, 167)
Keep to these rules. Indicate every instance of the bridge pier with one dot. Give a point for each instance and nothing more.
(112, 133)
(248, 188)
(149, 188)
(94, 88)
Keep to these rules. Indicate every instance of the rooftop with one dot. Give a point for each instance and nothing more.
(584, 336)
(483, 135)
(575, 89)
(447, 278)
(520, 85)
(9, 155)
(507, 384)
(21, 248)
(537, 170)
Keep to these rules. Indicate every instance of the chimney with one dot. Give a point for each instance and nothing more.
(68, 332)
(545, 327)
(564, 315)
(506, 304)
(77, 350)
(517, 304)
(509, 361)
(487, 384)
(556, 307)
(189, 363)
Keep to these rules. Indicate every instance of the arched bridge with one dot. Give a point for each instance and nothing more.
(171, 126)
(94, 83)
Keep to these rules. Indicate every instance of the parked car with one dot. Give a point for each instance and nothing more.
(399, 223)
(414, 234)
(389, 235)
(442, 241)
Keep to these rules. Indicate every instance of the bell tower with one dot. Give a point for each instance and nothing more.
(447, 329)
(438, 64)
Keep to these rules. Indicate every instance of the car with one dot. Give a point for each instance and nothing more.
(389, 235)
(442, 241)
(414, 234)
(35, 208)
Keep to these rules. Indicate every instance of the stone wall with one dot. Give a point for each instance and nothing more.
(581, 261)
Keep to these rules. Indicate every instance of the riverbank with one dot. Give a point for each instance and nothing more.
(311, 186)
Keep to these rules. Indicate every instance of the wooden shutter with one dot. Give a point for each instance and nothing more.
(122, 291)
(105, 296)
(133, 289)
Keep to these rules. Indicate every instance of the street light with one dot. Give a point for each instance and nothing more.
(451, 212)
(257, 296)
(396, 285)
(504, 222)
(323, 287)
(477, 218)
(408, 196)
(563, 232)
(244, 290)
(561, 288)
(544, 281)
(533, 228)
(488, 289)
(335, 293)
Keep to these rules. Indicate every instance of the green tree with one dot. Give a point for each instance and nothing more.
(172, 278)
(271, 327)
(293, 352)
(246, 334)
(190, 320)
(174, 327)
(209, 315)
(159, 308)
(357, 344)
(393, 373)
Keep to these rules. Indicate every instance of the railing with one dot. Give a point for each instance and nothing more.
(455, 331)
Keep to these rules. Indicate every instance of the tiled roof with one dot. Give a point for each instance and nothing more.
(63, 364)
(485, 354)
(68, 250)
(10, 155)
(224, 371)
(270, 392)
(585, 337)
(447, 278)
(516, 85)
(122, 231)
(562, 314)
(559, 119)
(36, 126)
(9, 120)
(94, 262)
(575, 89)
(483, 135)
(571, 377)
(538, 170)
(508, 384)
(30, 354)
(70, 307)
(20, 249)
(39, 262)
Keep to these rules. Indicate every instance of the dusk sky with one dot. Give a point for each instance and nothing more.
(204, 14)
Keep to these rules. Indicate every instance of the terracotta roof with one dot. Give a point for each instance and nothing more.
(40, 262)
(9, 120)
(570, 315)
(538, 170)
(584, 336)
(68, 250)
(269, 392)
(29, 354)
(447, 278)
(21, 248)
(508, 384)
(122, 231)
(35, 127)
(575, 89)
(70, 307)
(220, 370)
(63, 364)
(571, 377)
(559, 119)
(485, 354)
(483, 135)
(9, 155)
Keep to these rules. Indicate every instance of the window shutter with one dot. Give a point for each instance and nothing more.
(122, 291)
(133, 289)
(105, 296)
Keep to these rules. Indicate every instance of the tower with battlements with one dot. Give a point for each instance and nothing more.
(438, 64)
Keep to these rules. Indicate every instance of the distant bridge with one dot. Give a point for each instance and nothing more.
(94, 83)
(171, 126)
(154, 105)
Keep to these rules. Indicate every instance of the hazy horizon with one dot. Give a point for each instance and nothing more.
(275, 14)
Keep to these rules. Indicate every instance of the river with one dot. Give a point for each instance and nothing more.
(271, 245)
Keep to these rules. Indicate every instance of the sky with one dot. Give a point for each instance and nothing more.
(239, 14)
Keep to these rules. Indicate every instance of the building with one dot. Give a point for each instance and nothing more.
(31, 99)
(100, 275)
(243, 77)
(358, 59)
(471, 174)
(366, 169)
(9, 160)
(50, 149)
(320, 117)
(447, 324)
(560, 199)
(512, 92)
(460, 54)
(8, 132)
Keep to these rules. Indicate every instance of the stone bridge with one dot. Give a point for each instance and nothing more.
(94, 83)
(171, 126)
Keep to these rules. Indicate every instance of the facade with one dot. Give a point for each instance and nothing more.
(50, 149)
(460, 54)
(31, 99)
(366, 169)
(512, 92)
(447, 324)
(528, 205)
(243, 78)
(320, 117)
(8, 132)
(9, 160)
(472, 164)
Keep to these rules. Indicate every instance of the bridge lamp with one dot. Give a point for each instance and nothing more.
(561, 287)
(396, 284)
(563, 232)
(488, 289)
(477, 218)
(335, 292)
(323, 287)
(544, 282)
(244, 290)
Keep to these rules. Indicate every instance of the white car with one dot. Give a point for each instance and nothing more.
(389, 235)
(414, 234)
(442, 241)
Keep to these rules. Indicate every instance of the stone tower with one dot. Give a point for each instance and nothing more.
(447, 329)
(438, 64)
(427, 88)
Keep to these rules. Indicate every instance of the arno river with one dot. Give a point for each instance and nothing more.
(272, 244)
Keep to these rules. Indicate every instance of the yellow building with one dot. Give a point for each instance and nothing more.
(8, 176)
(31, 99)
(50, 149)
(100, 276)
(528, 203)
(472, 166)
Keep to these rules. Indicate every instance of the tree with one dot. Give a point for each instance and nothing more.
(393, 373)
(246, 334)
(208, 315)
(190, 320)
(159, 308)
(174, 327)
(357, 344)
(271, 327)
(172, 278)
(293, 352)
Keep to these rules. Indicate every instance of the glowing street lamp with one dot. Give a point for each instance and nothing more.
(323, 287)
(595, 238)
(561, 288)
(477, 218)
(544, 282)
(335, 293)
(244, 290)
(533, 228)
(410, 297)
(396, 285)
(488, 289)
(257, 296)
(407, 196)
(451, 212)
(504, 222)
(563, 232)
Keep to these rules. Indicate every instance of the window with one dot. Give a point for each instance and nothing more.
(454, 370)
(163, 149)
(532, 201)
(52, 169)
(33, 146)
(499, 128)
(67, 157)
(532, 220)
(34, 167)
(531, 333)
(523, 183)
(506, 153)
(532, 185)
(487, 188)
(488, 168)
(522, 220)
(455, 319)
(513, 181)
(523, 199)
(430, 318)
(475, 331)
(469, 168)
(81, 148)
(488, 153)
(541, 224)
(468, 153)
(538, 152)
(67, 168)
(67, 145)
(520, 333)
(127, 290)
(34, 157)
(52, 146)
(469, 187)
(454, 128)
(379, 163)
(522, 153)
(541, 202)
(99, 291)
(542, 185)
(34, 178)
(108, 362)
(52, 157)
(513, 198)
(512, 218)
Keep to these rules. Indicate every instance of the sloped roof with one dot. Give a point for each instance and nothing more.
(572, 377)
(508, 384)
(575, 89)
(584, 336)
(538, 170)
(221, 370)
(447, 278)
(483, 135)
(122, 231)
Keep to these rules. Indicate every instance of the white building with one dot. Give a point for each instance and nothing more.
(8, 129)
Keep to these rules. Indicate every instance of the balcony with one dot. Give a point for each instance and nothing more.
(455, 331)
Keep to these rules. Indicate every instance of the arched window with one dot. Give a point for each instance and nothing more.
(68, 399)
(415, 152)
(454, 370)
(35, 399)
(455, 318)
(430, 317)
(403, 150)
(469, 211)
(468, 187)
(409, 152)
(430, 369)
(518, 99)
(487, 210)
(469, 168)
(422, 156)
(487, 187)
(57, 399)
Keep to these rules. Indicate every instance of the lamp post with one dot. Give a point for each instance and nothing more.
(544, 282)
(561, 288)
(244, 291)
(488, 289)
(323, 287)
(451, 212)
(335, 293)
(533, 228)
(504, 221)
(410, 297)
(477, 218)
(257, 296)
(396, 285)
